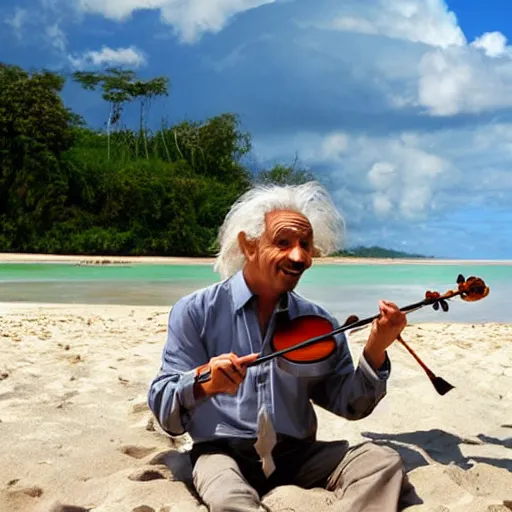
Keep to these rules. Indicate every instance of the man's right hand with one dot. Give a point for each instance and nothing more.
(227, 371)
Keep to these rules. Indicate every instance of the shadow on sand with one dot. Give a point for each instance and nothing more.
(441, 446)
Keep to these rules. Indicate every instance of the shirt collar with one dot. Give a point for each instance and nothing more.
(241, 293)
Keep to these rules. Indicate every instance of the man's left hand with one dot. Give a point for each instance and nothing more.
(385, 330)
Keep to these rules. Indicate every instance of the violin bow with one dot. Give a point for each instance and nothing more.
(470, 290)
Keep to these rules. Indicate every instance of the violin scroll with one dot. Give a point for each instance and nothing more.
(472, 289)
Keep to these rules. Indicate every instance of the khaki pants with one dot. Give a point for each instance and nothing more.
(366, 477)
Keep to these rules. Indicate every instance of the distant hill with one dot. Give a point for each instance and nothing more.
(378, 252)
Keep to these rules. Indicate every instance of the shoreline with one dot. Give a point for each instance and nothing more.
(177, 260)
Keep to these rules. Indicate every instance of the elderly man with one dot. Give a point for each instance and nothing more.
(255, 428)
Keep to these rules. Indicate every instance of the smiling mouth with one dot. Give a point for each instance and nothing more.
(294, 273)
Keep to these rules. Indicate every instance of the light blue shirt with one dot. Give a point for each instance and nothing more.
(222, 318)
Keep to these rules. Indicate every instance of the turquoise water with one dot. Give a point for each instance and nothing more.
(343, 289)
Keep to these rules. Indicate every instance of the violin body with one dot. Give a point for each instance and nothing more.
(315, 360)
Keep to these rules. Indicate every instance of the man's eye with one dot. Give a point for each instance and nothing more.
(305, 244)
(283, 243)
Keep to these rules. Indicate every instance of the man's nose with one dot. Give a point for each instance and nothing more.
(297, 258)
(297, 254)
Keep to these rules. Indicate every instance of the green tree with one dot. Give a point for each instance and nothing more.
(120, 87)
(114, 85)
(214, 147)
(35, 130)
(145, 91)
(285, 175)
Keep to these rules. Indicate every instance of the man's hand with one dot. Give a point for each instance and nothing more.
(384, 332)
(227, 371)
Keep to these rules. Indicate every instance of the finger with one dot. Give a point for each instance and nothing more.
(245, 360)
(236, 372)
(237, 367)
(390, 304)
(231, 379)
(391, 313)
(387, 306)
(225, 366)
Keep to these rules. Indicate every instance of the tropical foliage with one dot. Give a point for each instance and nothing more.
(66, 188)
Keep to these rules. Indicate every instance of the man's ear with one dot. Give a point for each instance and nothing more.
(247, 246)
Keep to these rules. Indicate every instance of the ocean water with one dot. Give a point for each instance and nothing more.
(343, 289)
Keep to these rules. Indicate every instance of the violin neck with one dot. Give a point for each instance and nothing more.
(365, 321)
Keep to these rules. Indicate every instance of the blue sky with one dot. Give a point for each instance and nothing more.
(403, 108)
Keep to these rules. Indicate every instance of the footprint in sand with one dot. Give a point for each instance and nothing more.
(147, 475)
(137, 452)
(145, 508)
(21, 498)
(33, 492)
(139, 406)
(60, 507)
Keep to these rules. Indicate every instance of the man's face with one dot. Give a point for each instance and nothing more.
(284, 251)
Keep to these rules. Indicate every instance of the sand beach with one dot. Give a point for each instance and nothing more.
(77, 434)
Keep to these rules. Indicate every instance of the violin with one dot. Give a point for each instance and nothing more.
(306, 345)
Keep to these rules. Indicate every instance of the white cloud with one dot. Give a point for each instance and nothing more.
(390, 188)
(56, 37)
(382, 175)
(352, 24)
(334, 145)
(118, 9)
(419, 21)
(435, 68)
(465, 80)
(402, 177)
(189, 18)
(17, 21)
(131, 57)
(493, 44)
(41, 25)
(408, 178)
(381, 204)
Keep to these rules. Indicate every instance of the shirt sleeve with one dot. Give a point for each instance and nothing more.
(171, 393)
(351, 392)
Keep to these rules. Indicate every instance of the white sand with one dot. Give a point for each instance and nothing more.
(75, 429)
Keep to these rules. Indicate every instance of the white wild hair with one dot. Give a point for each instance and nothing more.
(248, 214)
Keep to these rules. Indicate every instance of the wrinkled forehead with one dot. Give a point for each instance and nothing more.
(288, 220)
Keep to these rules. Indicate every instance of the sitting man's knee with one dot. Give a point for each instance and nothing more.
(389, 457)
(229, 499)
(221, 485)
